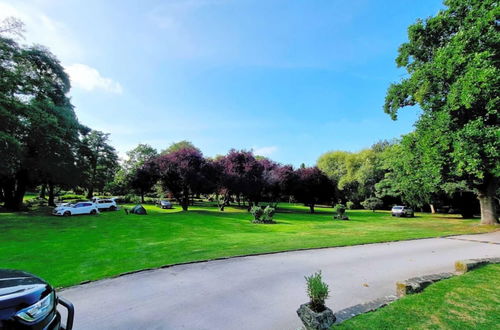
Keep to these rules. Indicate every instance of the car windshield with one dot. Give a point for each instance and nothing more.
(397, 207)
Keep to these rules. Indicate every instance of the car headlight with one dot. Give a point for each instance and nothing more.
(39, 310)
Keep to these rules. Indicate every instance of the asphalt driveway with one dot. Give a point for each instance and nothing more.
(263, 292)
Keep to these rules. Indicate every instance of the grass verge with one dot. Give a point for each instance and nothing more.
(469, 301)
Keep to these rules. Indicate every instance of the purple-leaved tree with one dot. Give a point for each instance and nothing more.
(241, 175)
(184, 172)
(313, 187)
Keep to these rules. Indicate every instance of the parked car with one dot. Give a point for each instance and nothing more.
(105, 203)
(28, 302)
(402, 211)
(164, 204)
(74, 209)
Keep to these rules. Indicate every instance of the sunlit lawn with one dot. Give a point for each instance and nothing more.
(66, 251)
(470, 301)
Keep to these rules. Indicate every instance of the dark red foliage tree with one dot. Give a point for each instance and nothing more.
(287, 180)
(313, 187)
(271, 191)
(278, 180)
(184, 172)
(242, 175)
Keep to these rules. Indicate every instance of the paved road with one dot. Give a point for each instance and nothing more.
(263, 292)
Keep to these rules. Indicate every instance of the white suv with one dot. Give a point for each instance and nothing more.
(402, 211)
(105, 203)
(74, 209)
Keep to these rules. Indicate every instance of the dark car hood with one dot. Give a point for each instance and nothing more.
(18, 288)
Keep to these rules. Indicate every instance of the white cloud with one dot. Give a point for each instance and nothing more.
(44, 30)
(265, 151)
(89, 79)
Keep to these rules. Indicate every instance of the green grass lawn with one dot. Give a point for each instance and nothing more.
(470, 301)
(66, 251)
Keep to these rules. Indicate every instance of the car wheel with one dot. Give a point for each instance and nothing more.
(93, 212)
(67, 213)
(112, 208)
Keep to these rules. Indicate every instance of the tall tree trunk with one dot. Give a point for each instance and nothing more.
(142, 196)
(185, 201)
(487, 203)
(14, 190)
(51, 195)
(90, 193)
(433, 210)
(42, 191)
(311, 208)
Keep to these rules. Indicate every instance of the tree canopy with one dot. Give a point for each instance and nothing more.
(39, 131)
(452, 60)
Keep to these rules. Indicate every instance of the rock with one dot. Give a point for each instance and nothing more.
(316, 321)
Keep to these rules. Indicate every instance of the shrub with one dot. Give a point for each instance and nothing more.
(257, 213)
(340, 212)
(128, 199)
(340, 209)
(263, 215)
(318, 292)
(350, 205)
(36, 201)
(70, 197)
(372, 203)
(268, 213)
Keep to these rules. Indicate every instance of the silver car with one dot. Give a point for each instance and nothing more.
(164, 204)
(402, 211)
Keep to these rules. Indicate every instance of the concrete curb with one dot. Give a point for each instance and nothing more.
(463, 266)
(370, 306)
(418, 284)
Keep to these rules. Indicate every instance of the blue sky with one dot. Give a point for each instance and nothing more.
(290, 79)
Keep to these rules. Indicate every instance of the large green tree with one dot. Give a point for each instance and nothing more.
(38, 127)
(98, 161)
(128, 174)
(355, 174)
(176, 146)
(452, 60)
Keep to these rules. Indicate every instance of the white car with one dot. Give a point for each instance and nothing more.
(105, 203)
(74, 209)
(402, 211)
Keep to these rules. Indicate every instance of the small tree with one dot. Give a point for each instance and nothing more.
(318, 292)
(372, 203)
(143, 179)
